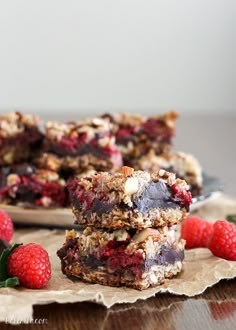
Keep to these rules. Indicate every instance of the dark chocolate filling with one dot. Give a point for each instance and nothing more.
(92, 262)
(80, 151)
(24, 169)
(4, 172)
(166, 256)
(100, 207)
(156, 195)
(25, 193)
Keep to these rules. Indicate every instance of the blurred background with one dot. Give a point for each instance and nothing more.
(129, 55)
(67, 59)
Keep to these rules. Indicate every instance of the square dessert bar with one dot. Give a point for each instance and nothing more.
(136, 134)
(137, 259)
(186, 167)
(129, 199)
(27, 186)
(78, 146)
(19, 137)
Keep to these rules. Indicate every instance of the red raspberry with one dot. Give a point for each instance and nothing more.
(222, 242)
(6, 226)
(196, 232)
(30, 263)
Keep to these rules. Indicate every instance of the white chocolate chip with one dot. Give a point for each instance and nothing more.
(131, 186)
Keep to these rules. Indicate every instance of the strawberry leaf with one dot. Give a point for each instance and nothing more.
(231, 218)
(10, 282)
(3, 261)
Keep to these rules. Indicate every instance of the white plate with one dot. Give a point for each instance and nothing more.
(63, 217)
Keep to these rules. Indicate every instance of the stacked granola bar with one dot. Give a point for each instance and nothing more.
(19, 136)
(129, 219)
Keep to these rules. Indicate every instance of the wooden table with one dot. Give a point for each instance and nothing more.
(215, 309)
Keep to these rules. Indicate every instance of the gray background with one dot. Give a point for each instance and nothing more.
(132, 55)
(71, 59)
(212, 140)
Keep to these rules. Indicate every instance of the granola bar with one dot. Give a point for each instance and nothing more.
(137, 259)
(76, 146)
(19, 137)
(186, 167)
(27, 186)
(129, 199)
(136, 134)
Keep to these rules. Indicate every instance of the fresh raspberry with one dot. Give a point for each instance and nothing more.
(196, 232)
(6, 226)
(30, 263)
(222, 242)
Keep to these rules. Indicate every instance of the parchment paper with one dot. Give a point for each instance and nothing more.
(201, 270)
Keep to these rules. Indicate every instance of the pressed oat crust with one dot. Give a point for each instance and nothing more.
(104, 278)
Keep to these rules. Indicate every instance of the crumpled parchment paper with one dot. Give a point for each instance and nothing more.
(201, 270)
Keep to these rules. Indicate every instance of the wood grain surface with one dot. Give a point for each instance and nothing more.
(215, 309)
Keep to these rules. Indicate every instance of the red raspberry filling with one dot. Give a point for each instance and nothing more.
(157, 130)
(182, 196)
(115, 155)
(54, 191)
(118, 260)
(86, 199)
(82, 146)
(70, 145)
(29, 189)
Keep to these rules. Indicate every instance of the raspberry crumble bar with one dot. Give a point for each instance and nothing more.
(129, 220)
(136, 135)
(75, 147)
(137, 259)
(129, 199)
(19, 137)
